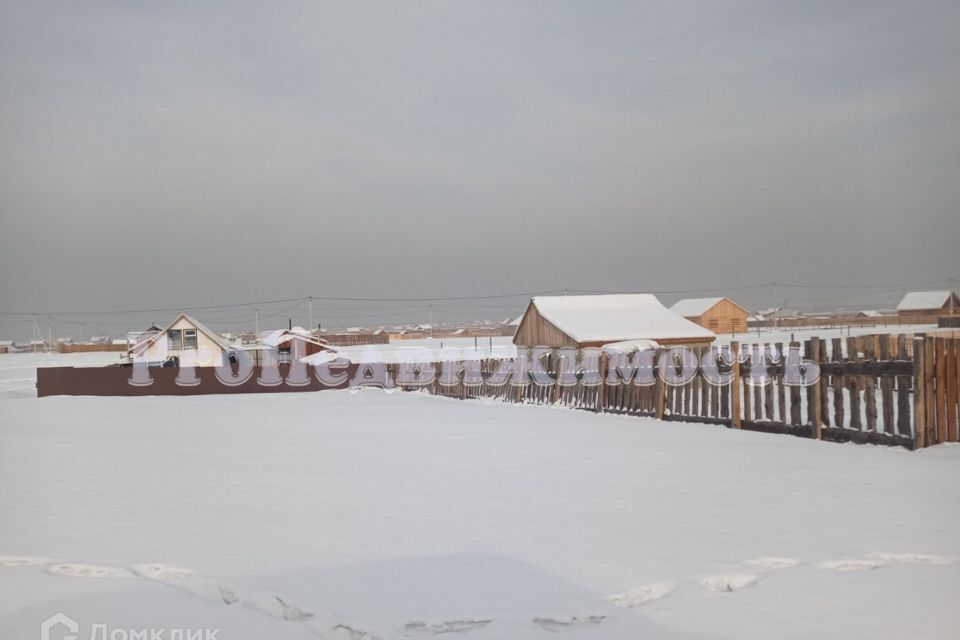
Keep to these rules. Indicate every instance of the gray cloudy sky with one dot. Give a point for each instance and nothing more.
(167, 154)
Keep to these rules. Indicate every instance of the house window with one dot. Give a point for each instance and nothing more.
(713, 323)
(189, 338)
(174, 339)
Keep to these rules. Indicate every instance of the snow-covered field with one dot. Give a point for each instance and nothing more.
(335, 514)
(18, 371)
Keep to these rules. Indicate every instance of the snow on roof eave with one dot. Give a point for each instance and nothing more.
(321, 357)
(615, 318)
(629, 346)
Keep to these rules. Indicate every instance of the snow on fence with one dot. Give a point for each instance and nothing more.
(883, 389)
(865, 391)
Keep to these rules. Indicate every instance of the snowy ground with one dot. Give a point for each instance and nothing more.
(334, 514)
(18, 371)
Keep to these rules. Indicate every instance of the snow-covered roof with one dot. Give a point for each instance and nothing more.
(202, 328)
(515, 322)
(6, 343)
(275, 338)
(614, 318)
(691, 307)
(321, 357)
(921, 300)
(145, 339)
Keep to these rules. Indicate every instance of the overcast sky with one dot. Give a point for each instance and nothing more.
(168, 154)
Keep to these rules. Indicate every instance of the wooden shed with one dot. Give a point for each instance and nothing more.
(720, 315)
(593, 321)
(928, 305)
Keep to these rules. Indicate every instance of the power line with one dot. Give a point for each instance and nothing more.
(412, 300)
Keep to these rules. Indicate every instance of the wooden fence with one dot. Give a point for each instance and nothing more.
(881, 389)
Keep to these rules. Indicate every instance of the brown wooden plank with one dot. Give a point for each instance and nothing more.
(951, 389)
(940, 345)
(768, 389)
(735, 385)
(905, 423)
(824, 395)
(757, 391)
(817, 406)
(853, 383)
(919, 388)
(930, 395)
(886, 389)
(781, 389)
(796, 418)
(870, 384)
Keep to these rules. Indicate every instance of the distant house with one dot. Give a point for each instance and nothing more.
(929, 304)
(295, 340)
(721, 315)
(593, 321)
(7, 346)
(186, 339)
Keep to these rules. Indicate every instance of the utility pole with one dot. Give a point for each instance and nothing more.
(310, 311)
(430, 321)
(34, 333)
(256, 320)
(774, 306)
(49, 333)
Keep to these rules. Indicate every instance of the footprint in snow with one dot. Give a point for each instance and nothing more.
(771, 562)
(23, 561)
(913, 558)
(345, 631)
(187, 580)
(448, 626)
(730, 582)
(278, 607)
(87, 571)
(556, 625)
(641, 595)
(861, 564)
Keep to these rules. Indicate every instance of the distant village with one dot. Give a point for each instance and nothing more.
(553, 321)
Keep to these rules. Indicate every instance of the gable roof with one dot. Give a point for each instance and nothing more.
(614, 318)
(219, 340)
(278, 337)
(922, 300)
(695, 307)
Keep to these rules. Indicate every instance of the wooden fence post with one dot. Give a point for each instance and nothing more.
(817, 417)
(919, 394)
(602, 391)
(950, 381)
(929, 391)
(661, 386)
(940, 345)
(735, 386)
